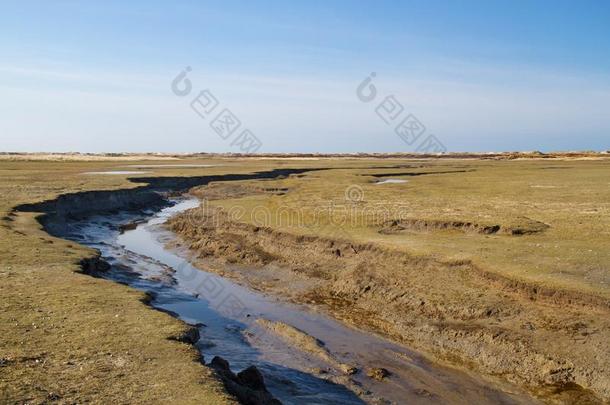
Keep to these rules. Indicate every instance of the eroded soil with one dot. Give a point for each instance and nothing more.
(453, 310)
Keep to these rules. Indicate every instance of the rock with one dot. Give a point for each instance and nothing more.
(148, 297)
(92, 265)
(220, 364)
(378, 373)
(252, 378)
(128, 226)
(248, 386)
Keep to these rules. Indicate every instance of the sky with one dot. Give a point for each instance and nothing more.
(102, 76)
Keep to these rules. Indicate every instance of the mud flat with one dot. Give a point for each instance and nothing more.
(452, 310)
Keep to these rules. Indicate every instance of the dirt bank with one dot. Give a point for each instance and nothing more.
(149, 196)
(305, 342)
(453, 310)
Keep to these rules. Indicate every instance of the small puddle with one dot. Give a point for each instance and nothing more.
(392, 181)
(226, 315)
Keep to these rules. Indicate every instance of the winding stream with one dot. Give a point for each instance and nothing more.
(226, 315)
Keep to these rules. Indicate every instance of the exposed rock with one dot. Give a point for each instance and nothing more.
(248, 386)
(220, 364)
(148, 297)
(128, 226)
(92, 265)
(252, 378)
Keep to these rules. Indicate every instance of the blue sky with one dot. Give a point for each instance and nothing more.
(480, 75)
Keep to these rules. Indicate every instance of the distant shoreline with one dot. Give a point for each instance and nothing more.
(79, 156)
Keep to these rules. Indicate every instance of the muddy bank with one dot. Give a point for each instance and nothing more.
(150, 197)
(455, 311)
(305, 357)
(57, 214)
(527, 227)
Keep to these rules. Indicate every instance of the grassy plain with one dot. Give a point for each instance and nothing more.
(564, 203)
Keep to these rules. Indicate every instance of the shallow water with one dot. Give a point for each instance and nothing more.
(392, 181)
(226, 314)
